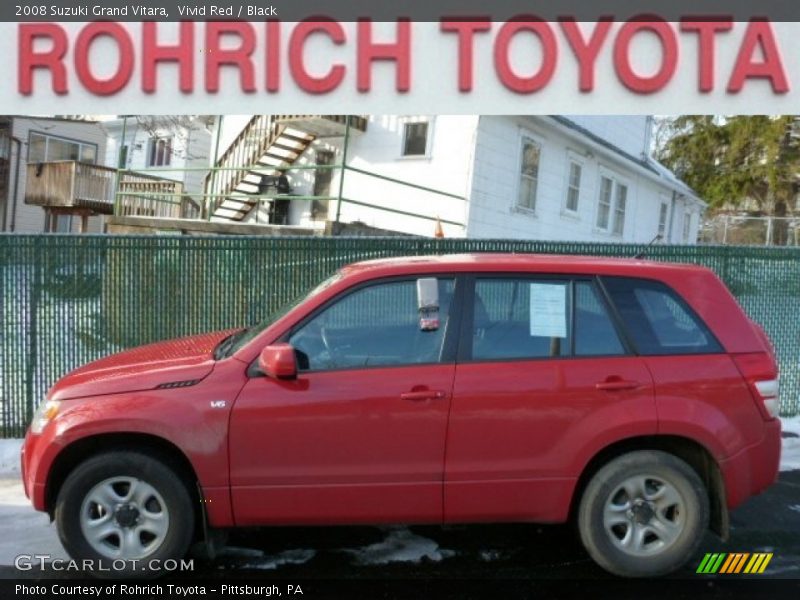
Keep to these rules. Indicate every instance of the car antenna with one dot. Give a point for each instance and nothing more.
(641, 255)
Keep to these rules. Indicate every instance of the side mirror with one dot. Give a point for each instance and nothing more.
(278, 361)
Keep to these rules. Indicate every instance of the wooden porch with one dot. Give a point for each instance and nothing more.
(83, 190)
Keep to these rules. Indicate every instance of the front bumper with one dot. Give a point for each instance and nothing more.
(38, 454)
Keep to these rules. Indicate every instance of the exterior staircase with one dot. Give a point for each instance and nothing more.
(255, 163)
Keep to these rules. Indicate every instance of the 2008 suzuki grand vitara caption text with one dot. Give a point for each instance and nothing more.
(633, 397)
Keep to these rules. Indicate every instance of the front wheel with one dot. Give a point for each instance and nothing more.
(124, 511)
(643, 514)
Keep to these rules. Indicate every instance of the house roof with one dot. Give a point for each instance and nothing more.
(652, 166)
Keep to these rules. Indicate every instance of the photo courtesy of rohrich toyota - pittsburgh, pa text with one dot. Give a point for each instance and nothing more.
(410, 300)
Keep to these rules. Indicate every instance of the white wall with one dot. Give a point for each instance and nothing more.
(30, 218)
(478, 157)
(191, 148)
(447, 168)
(493, 207)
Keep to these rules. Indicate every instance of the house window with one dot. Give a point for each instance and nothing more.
(687, 227)
(662, 219)
(574, 186)
(48, 148)
(604, 203)
(611, 205)
(619, 209)
(159, 153)
(529, 174)
(63, 224)
(415, 138)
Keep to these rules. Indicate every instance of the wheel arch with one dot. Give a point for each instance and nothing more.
(690, 451)
(77, 451)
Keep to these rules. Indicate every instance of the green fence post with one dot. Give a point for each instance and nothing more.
(342, 171)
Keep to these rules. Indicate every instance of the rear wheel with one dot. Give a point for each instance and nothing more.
(643, 514)
(124, 508)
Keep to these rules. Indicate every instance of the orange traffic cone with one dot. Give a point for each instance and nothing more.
(438, 232)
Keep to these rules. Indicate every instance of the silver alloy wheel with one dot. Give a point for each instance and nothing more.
(644, 515)
(124, 517)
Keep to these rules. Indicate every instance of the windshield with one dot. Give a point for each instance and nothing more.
(238, 340)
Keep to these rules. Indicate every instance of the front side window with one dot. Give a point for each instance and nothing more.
(657, 319)
(374, 326)
(529, 174)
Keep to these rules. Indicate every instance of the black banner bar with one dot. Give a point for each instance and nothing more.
(265, 586)
(377, 10)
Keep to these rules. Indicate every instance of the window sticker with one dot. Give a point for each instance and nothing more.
(548, 312)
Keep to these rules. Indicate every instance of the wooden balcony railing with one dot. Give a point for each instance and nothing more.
(148, 196)
(71, 184)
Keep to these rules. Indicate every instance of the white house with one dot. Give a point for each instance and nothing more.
(586, 178)
(30, 140)
(171, 147)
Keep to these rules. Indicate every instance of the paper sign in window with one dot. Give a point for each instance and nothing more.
(548, 316)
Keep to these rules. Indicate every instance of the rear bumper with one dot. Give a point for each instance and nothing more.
(753, 469)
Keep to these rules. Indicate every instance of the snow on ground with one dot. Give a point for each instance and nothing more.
(790, 451)
(287, 557)
(401, 545)
(9, 457)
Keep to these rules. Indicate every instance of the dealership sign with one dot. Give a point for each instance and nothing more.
(466, 65)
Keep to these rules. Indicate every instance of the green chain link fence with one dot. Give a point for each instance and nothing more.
(66, 300)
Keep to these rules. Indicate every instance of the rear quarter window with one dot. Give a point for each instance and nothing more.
(657, 319)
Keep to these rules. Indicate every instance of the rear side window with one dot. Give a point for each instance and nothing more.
(520, 318)
(595, 334)
(535, 318)
(657, 319)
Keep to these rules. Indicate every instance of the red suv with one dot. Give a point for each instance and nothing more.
(634, 397)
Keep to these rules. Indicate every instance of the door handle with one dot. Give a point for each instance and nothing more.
(423, 395)
(617, 384)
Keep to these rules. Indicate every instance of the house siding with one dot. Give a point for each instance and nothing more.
(493, 205)
(191, 149)
(479, 158)
(29, 218)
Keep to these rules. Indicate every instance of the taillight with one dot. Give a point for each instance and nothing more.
(761, 374)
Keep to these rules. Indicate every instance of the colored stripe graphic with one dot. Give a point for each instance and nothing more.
(758, 563)
(711, 563)
(734, 562)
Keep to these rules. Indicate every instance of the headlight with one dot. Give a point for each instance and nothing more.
(45, 413)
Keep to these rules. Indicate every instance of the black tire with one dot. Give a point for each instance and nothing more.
(137, 465)
(662, 557)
